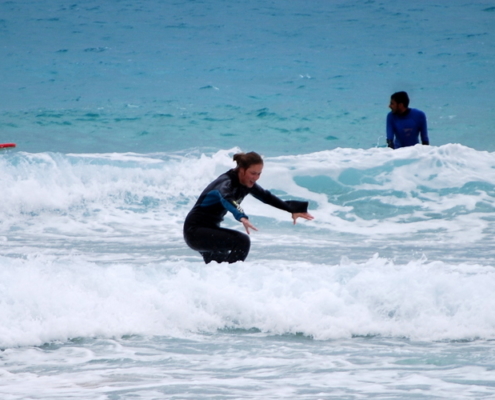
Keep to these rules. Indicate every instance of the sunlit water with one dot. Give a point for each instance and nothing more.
(123, 112)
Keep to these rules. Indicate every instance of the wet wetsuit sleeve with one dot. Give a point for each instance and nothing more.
(220, 196)
(423, 128)
(216, 196)
(292, 206)
(390, 129)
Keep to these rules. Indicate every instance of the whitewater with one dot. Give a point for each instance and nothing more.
(123, 112)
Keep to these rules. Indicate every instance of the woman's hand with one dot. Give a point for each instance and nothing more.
(305, 215)
(247, 225)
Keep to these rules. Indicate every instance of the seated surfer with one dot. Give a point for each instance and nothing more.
(202, 231)
(404, 124)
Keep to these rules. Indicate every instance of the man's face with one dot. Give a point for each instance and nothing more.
(397, 108)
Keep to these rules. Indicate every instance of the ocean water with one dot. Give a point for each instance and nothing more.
(123, 112)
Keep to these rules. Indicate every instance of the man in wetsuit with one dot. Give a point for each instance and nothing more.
(404, 124)
(202, 231)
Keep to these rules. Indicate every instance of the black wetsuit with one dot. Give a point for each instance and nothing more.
(202, 231)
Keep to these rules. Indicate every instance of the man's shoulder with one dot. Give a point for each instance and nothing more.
(415, 112)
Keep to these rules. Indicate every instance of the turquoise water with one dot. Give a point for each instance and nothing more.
(289, 77)
(123, 112)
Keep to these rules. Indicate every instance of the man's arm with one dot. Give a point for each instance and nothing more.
(390, 132)
(424, 130)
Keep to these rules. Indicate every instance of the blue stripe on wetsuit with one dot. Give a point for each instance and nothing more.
(215, 197)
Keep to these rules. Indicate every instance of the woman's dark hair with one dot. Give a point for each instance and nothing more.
(401, 98)
(245, 160)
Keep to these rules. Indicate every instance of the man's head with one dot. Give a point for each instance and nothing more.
(399, 102)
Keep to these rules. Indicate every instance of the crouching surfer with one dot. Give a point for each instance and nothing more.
(202, 231)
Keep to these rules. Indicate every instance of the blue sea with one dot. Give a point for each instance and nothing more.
(123, 111)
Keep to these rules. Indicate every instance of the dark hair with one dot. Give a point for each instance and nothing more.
(401, 98)
(245, 160)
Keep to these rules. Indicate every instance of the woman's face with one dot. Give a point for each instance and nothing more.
(249, 176)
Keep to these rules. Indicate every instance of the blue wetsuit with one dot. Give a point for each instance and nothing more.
(202, 231)
(406, 128)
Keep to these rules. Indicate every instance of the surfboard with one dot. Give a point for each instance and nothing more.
(6, 145)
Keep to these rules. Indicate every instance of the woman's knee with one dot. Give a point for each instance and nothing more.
(243, 241)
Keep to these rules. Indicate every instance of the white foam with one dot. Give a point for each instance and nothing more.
(45, 300)
(79, 230)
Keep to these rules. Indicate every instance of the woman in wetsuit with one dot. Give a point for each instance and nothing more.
(202, 231)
